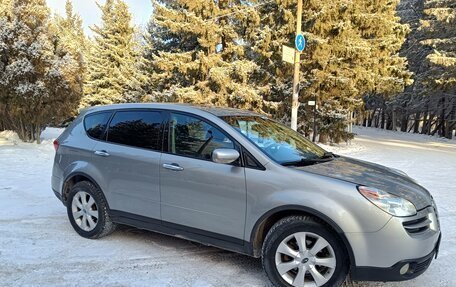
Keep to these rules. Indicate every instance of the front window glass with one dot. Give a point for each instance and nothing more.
(279, 142)
(190, 136)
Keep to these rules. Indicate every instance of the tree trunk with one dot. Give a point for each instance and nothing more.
(404, 123)
(416, 128)
(394, 120)
(350, 123)
(382, 123)
(425, 123)
(452, 122)
(442, 119)
(429, 124)
(437, 128)
(389, 120)
(411, 127)
(37, 135)
(370, 118)
(323, 138)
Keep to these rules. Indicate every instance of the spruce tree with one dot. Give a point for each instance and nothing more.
(275, 28)
(196, 52)
(381, 23)
(5, 22)
(5, 8)
(439, 33)
(113, 58)
(352, 50)
(37, 82)
(71, 39)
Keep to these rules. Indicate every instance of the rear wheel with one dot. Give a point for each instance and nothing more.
(88, 211)
(300, 251)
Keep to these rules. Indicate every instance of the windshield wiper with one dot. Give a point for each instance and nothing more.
(307, 161)
(328, 154)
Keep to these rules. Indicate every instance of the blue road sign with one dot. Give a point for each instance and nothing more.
(300, 42)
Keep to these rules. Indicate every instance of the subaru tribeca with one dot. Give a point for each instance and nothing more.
(243, 182)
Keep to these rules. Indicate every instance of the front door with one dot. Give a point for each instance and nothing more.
(129, 160)
(196, 192)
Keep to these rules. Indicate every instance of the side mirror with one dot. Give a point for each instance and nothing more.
(225, 155)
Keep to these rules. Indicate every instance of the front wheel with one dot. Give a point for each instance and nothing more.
(299, 251)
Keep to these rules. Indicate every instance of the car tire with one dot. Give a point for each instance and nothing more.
(88, 211)
(290, 245)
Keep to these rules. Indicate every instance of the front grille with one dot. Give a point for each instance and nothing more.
(417, 225)
(424, 221)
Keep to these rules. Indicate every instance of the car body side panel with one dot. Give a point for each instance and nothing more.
(204, 195)
(131, 177)
(338, 200)
(74, 152)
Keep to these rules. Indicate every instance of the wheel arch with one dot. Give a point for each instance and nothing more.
(74, 178)
(267, 220)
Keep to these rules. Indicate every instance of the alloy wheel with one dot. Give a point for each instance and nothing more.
(305, 259)
(85, 211)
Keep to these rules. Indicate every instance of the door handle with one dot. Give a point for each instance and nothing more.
(173, 166)
(101, 153)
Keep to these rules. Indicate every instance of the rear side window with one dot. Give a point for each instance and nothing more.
(95, 124)
(136, 128)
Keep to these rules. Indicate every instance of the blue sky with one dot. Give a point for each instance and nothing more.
(90, 13)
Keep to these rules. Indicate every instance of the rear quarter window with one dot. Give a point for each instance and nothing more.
(95, 124)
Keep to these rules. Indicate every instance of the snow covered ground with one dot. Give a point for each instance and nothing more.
(38, 247)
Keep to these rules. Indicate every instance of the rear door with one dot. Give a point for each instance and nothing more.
(196, 192)
(129, 160)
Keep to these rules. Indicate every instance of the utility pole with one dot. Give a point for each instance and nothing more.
(297, 58)
(314, 134)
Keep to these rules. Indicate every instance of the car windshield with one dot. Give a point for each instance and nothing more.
(279, 142)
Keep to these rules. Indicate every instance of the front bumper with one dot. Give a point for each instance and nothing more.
(402, 270)
(399, 239)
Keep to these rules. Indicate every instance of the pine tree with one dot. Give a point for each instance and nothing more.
(113, 58)
(36, 78)
(196, 52)
(439, 34)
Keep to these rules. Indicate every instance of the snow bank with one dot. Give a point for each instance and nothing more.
(51, 134)
(9, 138)
(398, 135)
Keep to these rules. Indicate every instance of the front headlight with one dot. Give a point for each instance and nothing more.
(392, 204)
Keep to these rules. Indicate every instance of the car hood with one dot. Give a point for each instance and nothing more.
(373, 175)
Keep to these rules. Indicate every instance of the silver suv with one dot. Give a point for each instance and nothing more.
(242, 182)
